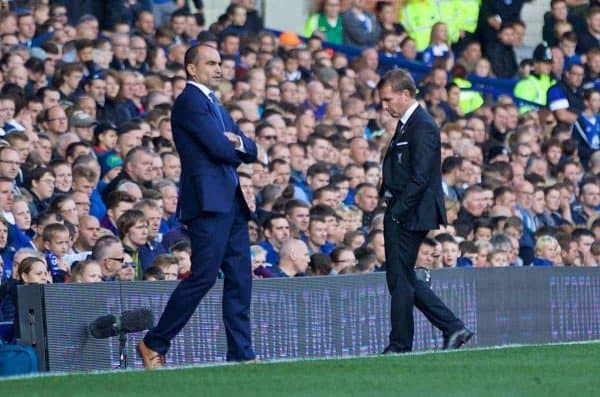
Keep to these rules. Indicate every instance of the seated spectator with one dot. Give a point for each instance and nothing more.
(182, 250)
(450, 250)
(317, 236)
(342, 258)
(498, 258)
(133, 232)
(117, 203)
(294, 259)
(109, 253)
(57, 243)
(168, 264)
(153, 246)
(87, 271)
(547, 252)
(128, 269)
(277, 230)
(258, 257)
(41, 186)
(366, 259)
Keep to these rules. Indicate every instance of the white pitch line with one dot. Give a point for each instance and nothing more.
(293, 360)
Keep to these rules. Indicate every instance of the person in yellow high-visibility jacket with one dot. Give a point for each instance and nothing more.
(417, 17)
(534, 87)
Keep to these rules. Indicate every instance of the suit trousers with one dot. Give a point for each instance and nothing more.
(219, 240)
(401, 249)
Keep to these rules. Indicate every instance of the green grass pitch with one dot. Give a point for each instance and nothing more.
(542, 370)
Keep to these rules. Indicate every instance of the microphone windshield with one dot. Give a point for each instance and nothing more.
(103, 327)
(136, 320)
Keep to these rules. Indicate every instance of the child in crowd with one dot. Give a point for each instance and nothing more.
(57, 243)
(168, 264)
(182, 250)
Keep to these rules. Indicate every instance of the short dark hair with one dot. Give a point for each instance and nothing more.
(398, 80)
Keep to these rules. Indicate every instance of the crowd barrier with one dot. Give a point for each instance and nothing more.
(315, 316)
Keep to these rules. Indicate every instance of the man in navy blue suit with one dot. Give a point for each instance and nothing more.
(212, 207)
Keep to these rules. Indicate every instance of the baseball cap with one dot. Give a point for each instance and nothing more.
(80, 118)
(103, 127)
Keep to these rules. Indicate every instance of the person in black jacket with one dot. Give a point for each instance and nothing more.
(412, 187)
(501, 53)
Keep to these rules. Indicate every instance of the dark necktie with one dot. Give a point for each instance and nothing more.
(214, 102)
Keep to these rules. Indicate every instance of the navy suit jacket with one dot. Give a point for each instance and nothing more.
(412, 173)
(206, 155)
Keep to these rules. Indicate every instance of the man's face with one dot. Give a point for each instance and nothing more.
(318, 181)
(585, 244)
(590, 196)
(97, 90)
(169, 195)
(140, 168)
(475, 204)
(82, 203)
(267, 137)
(89, 232)
(281, 174)
(378, 245)
(395, 103)
(51, 98)
(84, 186)
(116, 213)
(207, 70)
(320, 150)
(126, 142)
(172, 168)
(154, 216)
(279, 233)
(317, 233)
(367, 199)
(424, 257)
(115, 256)
(10, 163)
(329, 198)
(575, 76)
(57, 121)
(300, 217)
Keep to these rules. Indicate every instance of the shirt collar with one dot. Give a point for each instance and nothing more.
(205, 90)
(409, 112)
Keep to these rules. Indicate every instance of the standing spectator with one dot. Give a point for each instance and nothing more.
(586, 131)
(502, 54)
(565, 98)
(589, 38)
(360, 28)
(327, 23)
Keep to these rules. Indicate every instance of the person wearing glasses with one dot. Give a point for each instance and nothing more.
(342, 258)
(109, 253)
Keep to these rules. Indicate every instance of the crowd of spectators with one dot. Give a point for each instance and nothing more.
(89, 172)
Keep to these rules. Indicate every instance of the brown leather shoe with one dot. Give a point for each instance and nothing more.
(151, 359)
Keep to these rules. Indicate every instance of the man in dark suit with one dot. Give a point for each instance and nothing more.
(412, 187)
(212, 207)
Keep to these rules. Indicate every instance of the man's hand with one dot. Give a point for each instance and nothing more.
(234, 139)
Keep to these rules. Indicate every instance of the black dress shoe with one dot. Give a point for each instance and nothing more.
(458, 338)
(389, 349)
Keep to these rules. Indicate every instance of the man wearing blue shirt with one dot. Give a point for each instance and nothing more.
(565, 98)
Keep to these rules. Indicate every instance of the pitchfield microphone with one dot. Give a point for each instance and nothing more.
(104, 327)
(135, 320)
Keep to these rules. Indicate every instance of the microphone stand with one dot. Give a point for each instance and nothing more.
(122, 352)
